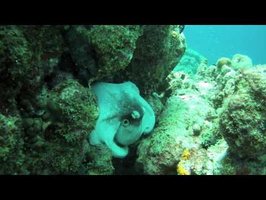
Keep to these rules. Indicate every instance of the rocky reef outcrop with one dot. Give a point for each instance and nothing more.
(213, 123)
(47, 108)
(243, 119)
(186, 131)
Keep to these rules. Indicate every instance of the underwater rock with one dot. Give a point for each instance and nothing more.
(229, 139)
(218, 81)
(142, 54)
(74, 105)
(73, 111)
(158, 50)
(98, 160)
(34, 52)
(56, 112)
(102, 50)
(202, 161)
(207, 73)
(234, 94)
(56, 124)
(233, 165)
(11, 142)
(242, 119)
(155, 101)
(114, 46)
(176, 81)
(185, 113)
(14, 65)
(81, 52)
(29, 54)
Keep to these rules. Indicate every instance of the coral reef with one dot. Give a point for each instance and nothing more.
(185, 131)
(144, 54)
(114, 46)
(209, 119)
(98, 161)
(242, 120)
(11, 142)
(101, 50)
(237, 93)
(47, 108)
(211, 124)
(157, 52)
(56, 130)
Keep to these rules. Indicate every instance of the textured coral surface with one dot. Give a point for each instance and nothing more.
(47, 108)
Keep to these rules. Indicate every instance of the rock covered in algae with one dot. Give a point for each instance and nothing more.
(230, 139)
(102, 50)
(242, 120)
(44, 73)
(11, 142)
(234, 166)
(29, 54)
(99, 161)
(56, 125)
(158, 50)
(239, 101)
(186, 138)
(143, 54)
(50, 134)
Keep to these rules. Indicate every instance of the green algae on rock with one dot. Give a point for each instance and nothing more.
(157, 52)
(54, 112)
(70, 111)
(242, 120)
(143, 54)
(187, 123)
(11, 142)
(102, 50)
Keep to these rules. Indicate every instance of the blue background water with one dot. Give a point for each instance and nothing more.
(216, 41)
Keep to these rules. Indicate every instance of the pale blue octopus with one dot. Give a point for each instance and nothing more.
(124, 116)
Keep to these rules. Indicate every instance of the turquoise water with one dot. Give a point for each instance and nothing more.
(216, 41)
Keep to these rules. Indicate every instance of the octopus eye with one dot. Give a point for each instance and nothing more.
(126, 122)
